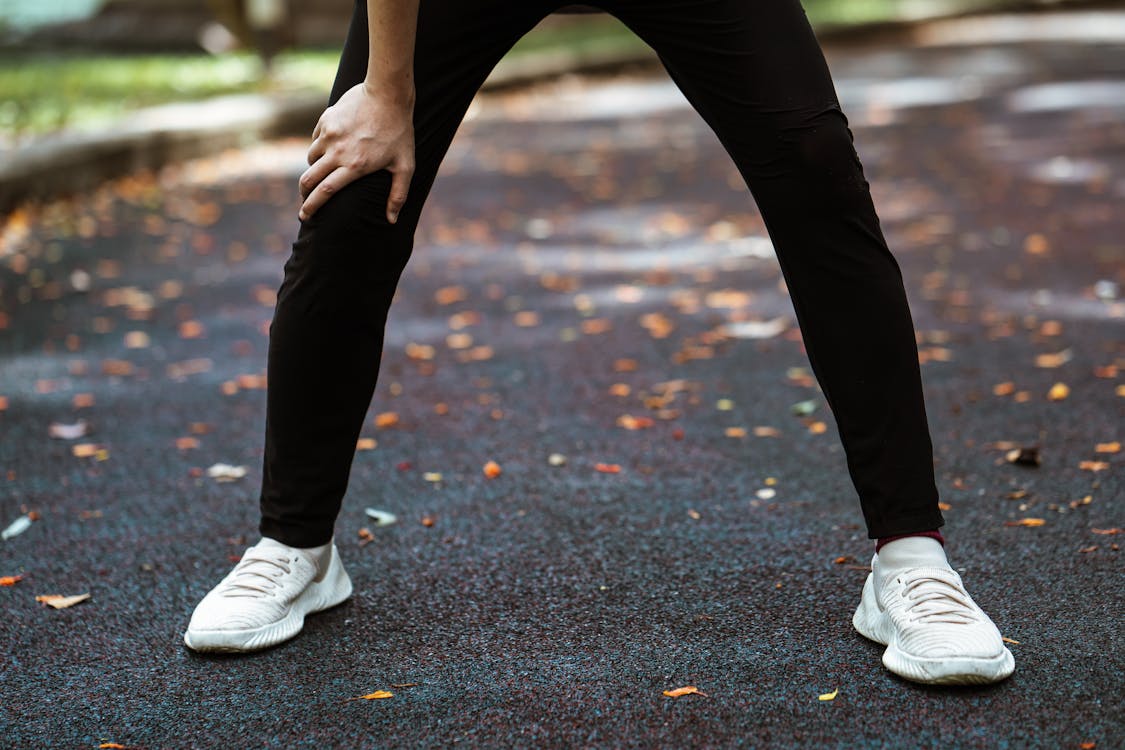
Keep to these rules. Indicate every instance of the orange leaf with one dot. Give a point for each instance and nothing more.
(1113, 447)
(365, 444)
(492, 469)
(112, 746)
(607, 468)
(10, 580)
(1026, 522)
(1106, 532)
(686, 690)
(1093, 465)
(186, 443)
(386, 419)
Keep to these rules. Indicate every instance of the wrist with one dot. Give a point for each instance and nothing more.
(399, 91)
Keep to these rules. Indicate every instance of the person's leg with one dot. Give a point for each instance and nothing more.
(327, 332)
(756, 74)
(326, 338)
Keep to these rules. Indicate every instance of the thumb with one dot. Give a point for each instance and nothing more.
(400, 185)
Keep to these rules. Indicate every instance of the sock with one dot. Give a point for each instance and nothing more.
(935, 534)
(318, 555)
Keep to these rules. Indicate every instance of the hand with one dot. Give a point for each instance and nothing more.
(364, 131)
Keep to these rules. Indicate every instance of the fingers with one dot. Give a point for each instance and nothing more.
(327, 187)
(317, 149)
(400, 186)
(313, 175)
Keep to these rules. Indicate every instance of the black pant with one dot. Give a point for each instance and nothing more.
(755, 72)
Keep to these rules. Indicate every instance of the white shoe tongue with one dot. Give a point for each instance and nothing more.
(913, 552)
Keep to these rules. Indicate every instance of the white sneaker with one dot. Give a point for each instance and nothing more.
(915, 604)
(264, 600)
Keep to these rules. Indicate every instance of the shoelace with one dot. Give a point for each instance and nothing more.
(256, 574)
(935, 598)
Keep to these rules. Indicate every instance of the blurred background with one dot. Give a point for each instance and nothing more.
(82, 63)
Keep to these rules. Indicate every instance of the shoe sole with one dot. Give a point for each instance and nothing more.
(875, 624)
(333, 589)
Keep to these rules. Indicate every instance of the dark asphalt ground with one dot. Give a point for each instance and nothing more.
(552, 605)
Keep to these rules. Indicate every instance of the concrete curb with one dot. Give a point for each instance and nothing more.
(66, 163)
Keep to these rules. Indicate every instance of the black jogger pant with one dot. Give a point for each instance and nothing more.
(755, 72)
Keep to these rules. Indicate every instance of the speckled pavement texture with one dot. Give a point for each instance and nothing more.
(594, 236)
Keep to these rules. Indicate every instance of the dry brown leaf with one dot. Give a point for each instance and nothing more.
(686, 690)
(1106, 532)
(386, 419)
(187, 443)
(1058, 392)
(1026, 522)
(629, 422)
(58, 601)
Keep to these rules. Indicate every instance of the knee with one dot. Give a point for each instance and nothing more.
(819, 148)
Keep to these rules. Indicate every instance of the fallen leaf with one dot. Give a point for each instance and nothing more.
(428, 521)
(686, 690)
(10, 580)
(226, 472)
(1026, 522)
(386, 419)
(1087, 746)
(844, 559)
(1088, 550)
(607, 468)
(380, 517)
(84, 450)
(1023, 456)
(751, 329)
(112, 746)
(763, 431)
(944, 506)
(432, 476)
(377, 695)
(365, 536)
(735, 432)
(1051, 361)
(1106, 532)
(365, 444)
(187, 443)
(1113, 447)
(16, 527)
(1058, 392)
(58, 601)
(724, 404)
(556, 459)
(492, 470)
(694, 514)
(828, 696)
(766, 493)
(68, 431)
(818, 428)
(629, 422)
(405, 684)
(1009, 640)
(1093, 465)
(803, 408)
